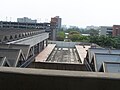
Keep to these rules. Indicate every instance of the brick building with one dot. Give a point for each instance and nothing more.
(116, 30)
(56, 20)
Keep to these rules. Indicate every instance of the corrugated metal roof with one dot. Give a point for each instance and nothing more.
(25, 48)
(12, 55)
(2, 60)
(100, 58)
(33, 40)
(112, 67)
(92, 51)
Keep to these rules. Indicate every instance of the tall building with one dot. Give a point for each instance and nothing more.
(55, 26)
(57, 20)
(116, 30)
(26, 20)
(105, 30)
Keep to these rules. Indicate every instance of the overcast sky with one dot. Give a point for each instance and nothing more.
(73, 12)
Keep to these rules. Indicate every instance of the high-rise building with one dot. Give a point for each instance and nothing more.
(57, 20)
(26, 20)
(55, 26)
(116, 30)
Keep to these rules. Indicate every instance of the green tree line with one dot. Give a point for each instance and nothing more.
(103, 41)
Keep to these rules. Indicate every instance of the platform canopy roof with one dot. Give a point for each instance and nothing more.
(13, 56)
(99, 59)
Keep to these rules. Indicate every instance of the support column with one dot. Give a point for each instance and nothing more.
(43, 45)
(39, 47)
(46, 42)
(33, 50)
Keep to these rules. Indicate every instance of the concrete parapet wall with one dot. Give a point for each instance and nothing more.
(58, 66)
(67, 44)
(31, 79)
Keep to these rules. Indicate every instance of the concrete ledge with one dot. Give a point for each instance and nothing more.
(58, 66)
(49, 72)
(41, 79)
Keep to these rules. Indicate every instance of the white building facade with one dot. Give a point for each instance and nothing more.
(26, 20)
(105, 30)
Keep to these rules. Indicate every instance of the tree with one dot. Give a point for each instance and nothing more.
(105, 41)
(73, 32)
(84, 38)
(72, 28)
(74, 35)
(93, 32)
(61, 36)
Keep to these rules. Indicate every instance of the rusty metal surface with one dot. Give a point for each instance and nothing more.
(42, 56)
(82, 51)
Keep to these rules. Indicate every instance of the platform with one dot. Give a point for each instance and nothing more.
(82, 51)
(43, 56)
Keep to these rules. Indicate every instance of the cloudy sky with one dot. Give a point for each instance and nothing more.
(73, 12)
